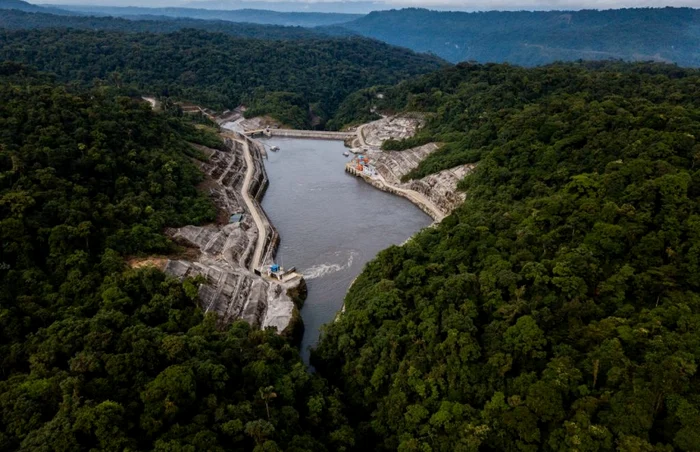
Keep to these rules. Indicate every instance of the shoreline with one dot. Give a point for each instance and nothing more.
(413, 196)
(234, 256)
(255, 299)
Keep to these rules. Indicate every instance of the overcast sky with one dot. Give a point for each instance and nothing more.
(354, 6)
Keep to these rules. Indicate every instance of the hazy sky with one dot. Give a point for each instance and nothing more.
(354, 5)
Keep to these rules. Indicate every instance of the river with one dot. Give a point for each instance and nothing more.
(330, 223)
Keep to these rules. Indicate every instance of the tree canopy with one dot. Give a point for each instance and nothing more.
(98, 356)
(532, 38)
(13, 19)
(558, 308)
(217, 70)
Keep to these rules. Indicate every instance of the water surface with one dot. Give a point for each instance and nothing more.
(330, 223)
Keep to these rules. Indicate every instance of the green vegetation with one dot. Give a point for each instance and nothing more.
(18, 20)
(217, 70)
(559, 307)
(469, 105)
(251, 16)
(96, 356)
(539, 37)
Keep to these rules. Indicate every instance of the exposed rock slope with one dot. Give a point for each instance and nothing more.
(227, 251)
(440, 189)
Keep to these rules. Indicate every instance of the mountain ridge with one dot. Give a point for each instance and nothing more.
(540, 37)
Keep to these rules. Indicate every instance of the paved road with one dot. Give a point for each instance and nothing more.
(360, 135)
(252, 207)
(262, 231)
(297, 133)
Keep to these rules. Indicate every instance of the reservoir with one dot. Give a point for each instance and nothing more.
(330, 223)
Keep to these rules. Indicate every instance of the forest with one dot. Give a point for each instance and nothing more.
(98, 356)
(13, 19)
(558, 308)
(217, 70)
(253, 16)
(532, 38)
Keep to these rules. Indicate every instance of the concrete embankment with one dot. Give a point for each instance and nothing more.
(271, 237)
(435, 194)
(416, 198)
(230, 253)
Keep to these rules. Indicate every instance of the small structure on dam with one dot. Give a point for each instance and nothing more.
(279, 273)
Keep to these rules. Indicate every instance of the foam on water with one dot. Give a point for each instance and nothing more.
(327, 268)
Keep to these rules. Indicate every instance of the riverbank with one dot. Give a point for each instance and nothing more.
(235, 257)
(377, 180)
(235, 254)
(331, 224)
(436, 194)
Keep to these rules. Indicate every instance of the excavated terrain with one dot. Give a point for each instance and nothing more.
(226, 251)
(391, 127)
(440, 189)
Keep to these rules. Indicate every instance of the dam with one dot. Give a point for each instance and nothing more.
(307, 134)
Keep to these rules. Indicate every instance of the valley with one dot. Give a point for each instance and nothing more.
(226, 236)
(236, 258)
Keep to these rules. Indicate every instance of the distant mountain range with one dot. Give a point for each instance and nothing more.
(254, 16)
(29, 7)
(522, 38)
(534, 38)
(12, 19)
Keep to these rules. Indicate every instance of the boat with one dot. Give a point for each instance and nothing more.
(274, 148)
(346, 153)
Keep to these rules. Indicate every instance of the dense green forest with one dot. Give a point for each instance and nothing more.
(532, 38)
(96, 356)
(527, 38)
(559, 307)
(217, 70)
(255, 16)
(19, 20)
(246, 15)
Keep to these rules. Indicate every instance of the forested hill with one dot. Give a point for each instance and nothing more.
(21, 5)
(256, 16)
(287, 79)
(93, 355)
(559, 307)
(535, 38)
(13, 19)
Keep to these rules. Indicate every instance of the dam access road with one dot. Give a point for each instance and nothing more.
(254, 208)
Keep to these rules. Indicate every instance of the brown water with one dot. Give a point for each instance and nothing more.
(330, 223)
